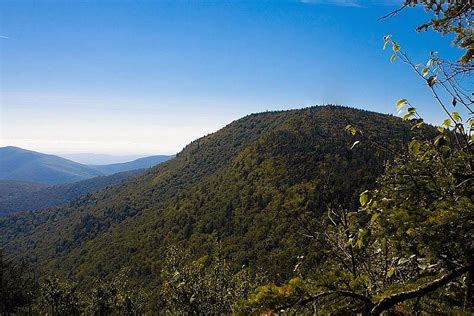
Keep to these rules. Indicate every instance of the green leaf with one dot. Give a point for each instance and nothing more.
(446, 123)
(374, 217)
(350, 241)
(402, 261)
(395, 47)
(364, 198)
(359, 243)
(456, 116)
(410, 113)
(424, 71)
(390, 272)
(414, 147)
(392, 58)
(400, 103)
(355, 144)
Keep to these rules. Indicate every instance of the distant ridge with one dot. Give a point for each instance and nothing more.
(26, 165)
(141, 163)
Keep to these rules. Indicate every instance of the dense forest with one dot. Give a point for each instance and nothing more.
(10, 189)
(322, 210)
(32, 196)
(235, 194)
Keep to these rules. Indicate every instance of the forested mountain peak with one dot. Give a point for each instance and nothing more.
(245, 187)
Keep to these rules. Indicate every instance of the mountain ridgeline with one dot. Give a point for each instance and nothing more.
(140, 163)
(19, 164)
(244, 189)
(26, 165)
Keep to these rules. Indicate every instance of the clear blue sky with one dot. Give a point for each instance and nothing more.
(146, 77)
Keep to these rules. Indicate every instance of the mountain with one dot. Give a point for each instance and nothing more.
(248, 190)
(25, 165)
(24, 196)
(141, 163)
(10, 189)
(99, 159)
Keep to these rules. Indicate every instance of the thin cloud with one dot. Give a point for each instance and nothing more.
(1, 36)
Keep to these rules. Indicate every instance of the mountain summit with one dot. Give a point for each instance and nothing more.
(246, 187)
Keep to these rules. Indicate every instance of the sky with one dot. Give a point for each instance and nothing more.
(148, 77)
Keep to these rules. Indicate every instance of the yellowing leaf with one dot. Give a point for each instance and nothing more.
(400, 103)
(350, 129)
(456, 116)
(364, 198)
(446, 123)
(470, 122)
(392, 58)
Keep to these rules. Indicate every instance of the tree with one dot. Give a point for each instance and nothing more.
(17, 286)
(410, 244)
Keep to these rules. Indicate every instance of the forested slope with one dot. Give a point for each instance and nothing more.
(11, 189)
(35, 197)
(244, 188)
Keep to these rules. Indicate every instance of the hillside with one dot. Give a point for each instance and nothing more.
(246, 188)
(30, 196)
(141, 163)
(10, 189)
(25, 165)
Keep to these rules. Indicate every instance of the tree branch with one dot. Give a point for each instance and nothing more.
(367, 301)
(394, 299)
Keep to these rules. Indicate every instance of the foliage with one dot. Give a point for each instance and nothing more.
(203, 286)
(17, 286)
(451, 17)
(29, 199)
(248, 186)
